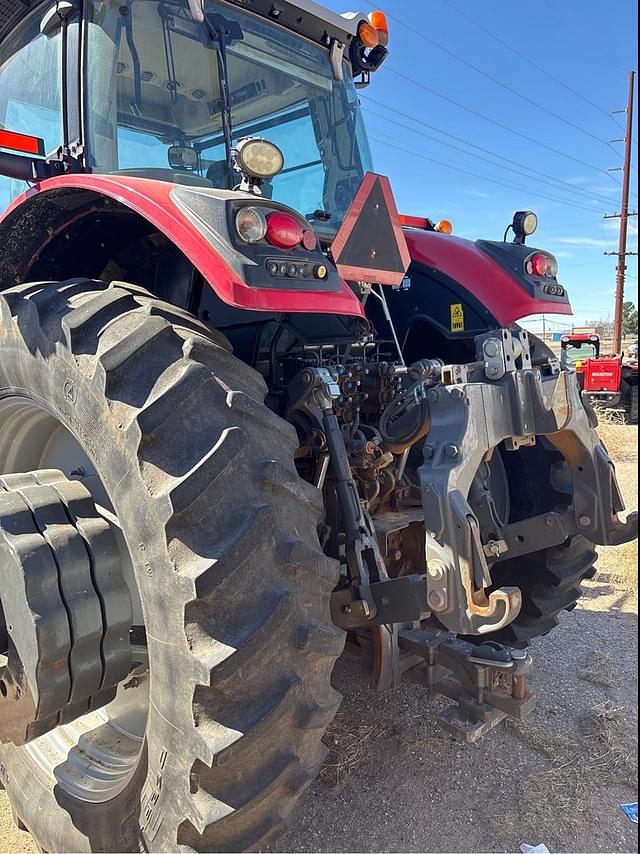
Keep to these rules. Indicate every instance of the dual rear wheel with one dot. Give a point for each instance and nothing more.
(133, 423)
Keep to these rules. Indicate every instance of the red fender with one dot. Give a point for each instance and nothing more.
(152, 200)
(491, 284)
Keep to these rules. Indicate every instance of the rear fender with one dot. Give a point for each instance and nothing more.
(498, 287)
(46, 210)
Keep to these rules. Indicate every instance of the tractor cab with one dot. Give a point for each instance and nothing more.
(172, 90)
(576, 349)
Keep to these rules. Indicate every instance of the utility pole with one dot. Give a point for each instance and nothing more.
(624, 214)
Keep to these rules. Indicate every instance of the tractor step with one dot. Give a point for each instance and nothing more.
(486, 681)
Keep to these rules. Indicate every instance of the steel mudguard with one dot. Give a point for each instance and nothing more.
(503, 397)
(157, 202)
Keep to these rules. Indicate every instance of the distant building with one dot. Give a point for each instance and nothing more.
(589, 330)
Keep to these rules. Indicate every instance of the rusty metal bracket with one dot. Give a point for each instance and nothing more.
(487, 682)
(531, 535)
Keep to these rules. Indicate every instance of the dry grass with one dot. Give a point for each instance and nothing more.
(621, 440)
(603, 754)
(621, 562)
(601, 670)
(610, 416)
(619, 567)
(347, 747)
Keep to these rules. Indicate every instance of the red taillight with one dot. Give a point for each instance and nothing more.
(542, 264)
(284, 230)
(537, 264)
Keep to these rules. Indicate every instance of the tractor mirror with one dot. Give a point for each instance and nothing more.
(183, 158)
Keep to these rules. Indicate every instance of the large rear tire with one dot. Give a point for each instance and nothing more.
(222, 536)
(550, 579)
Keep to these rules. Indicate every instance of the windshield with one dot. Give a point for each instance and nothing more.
(154, 81)
(574, 353)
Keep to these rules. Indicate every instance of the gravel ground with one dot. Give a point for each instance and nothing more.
(396, 782)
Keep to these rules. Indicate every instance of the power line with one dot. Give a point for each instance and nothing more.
(495, 122)
(527, 59)
(493, 79)
(590, 195)
(553, 182)
(594, 44)
(491, 179)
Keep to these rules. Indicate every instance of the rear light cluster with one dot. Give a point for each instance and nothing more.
(279, 228)
(541, 264)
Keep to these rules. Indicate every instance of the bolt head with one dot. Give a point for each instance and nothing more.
(493, 371)
(452, 451)
(436, 571)
(584, 521)
(436, 600)
(429, 452)
(457, 394)
(492, 347)
(434, 395)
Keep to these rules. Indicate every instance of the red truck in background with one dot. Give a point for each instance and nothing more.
(606, 380)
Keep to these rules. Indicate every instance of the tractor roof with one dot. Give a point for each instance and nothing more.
(303, 16)
(580, 338)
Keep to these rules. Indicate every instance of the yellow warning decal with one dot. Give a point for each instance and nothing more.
(457, 318)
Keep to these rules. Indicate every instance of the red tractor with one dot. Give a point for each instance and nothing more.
(606, 380)
(244, 418)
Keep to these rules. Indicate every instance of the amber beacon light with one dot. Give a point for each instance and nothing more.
(378, 21)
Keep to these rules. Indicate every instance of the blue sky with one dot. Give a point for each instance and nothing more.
(588, 46)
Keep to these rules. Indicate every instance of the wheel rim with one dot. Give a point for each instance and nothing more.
(94, 757)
